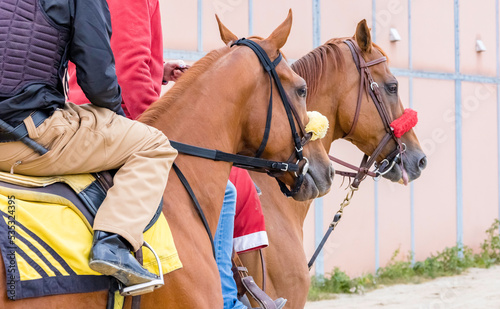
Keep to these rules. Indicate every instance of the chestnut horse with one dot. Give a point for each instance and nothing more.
(221, 102)
(333, 84)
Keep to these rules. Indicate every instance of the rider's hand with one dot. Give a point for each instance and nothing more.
(172, 70)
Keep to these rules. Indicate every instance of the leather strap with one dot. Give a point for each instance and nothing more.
(249, 284)
(186, 185)
(251, 163)
(136, 300)
(332, 226)
(264, 270)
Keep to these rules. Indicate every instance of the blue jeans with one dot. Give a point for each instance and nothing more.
(223, 241)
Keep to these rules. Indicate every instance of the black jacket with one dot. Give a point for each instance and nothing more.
(89, 48)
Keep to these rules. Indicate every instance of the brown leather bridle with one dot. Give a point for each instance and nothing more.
(368, 85)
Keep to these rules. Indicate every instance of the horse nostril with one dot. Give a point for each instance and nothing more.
(422, 163)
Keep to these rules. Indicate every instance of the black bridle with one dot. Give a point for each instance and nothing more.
(270, 68)
(257, 164)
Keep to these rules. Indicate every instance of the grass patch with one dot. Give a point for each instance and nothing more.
(449, 262)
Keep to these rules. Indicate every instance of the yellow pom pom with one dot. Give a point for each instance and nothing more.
(317, 125)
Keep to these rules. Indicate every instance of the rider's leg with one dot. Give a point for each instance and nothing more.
(89, 139)
(223, 241)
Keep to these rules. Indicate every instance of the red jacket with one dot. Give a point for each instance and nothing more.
(138, 49)
(249, 225)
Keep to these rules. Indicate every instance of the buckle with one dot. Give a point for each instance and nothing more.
(285, 169)
(373, 83)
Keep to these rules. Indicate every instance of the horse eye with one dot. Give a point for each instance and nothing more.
(392, 88)
(302, 92)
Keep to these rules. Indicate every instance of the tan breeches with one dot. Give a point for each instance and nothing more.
(86, 138)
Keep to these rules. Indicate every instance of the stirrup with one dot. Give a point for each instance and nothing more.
(146, 287)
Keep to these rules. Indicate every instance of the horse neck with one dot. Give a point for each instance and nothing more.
(201, 117)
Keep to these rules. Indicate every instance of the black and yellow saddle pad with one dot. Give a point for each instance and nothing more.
(45, 239)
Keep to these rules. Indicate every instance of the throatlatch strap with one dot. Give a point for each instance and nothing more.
(196, 203)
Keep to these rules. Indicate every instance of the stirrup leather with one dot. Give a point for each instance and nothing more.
(146, 287)
(264, 301)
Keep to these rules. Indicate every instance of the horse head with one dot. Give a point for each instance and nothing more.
(269, 120)
(378, 111)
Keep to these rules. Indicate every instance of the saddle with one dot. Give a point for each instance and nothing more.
(46, 235)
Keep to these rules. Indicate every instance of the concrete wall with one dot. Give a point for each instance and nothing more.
(454, 89)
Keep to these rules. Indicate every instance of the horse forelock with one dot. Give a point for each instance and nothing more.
(159, 107)
(312, 67)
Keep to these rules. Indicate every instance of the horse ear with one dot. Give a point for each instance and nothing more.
(363, 36)
(226, 35)
(280, 35)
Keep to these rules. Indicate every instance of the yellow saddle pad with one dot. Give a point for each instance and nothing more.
(45, 240)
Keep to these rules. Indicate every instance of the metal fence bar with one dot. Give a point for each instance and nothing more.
(250, 17)
(316, 7)
(200, 25)
(412, 186)
(375, 188)
(446, 76)
(458, 129)
(497, 34)
(318, 203)
(319, 267)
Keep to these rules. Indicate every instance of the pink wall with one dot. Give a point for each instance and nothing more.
(480, 160)
(352, 246)
(435, 194)
(433, 36)
(471, 12)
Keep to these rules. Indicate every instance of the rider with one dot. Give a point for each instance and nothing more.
(39, 39)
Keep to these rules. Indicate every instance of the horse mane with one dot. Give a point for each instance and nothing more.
(199, 67)
(312, 66)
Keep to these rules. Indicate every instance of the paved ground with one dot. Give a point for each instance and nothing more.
(477, 288)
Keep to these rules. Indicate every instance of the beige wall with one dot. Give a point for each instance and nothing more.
(435, 198)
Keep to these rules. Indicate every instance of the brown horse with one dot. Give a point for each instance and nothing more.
(221, 102)
(333, 85)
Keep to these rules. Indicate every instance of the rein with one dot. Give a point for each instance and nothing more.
(401, 125)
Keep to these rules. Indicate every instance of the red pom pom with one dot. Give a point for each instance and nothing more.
(404, 123)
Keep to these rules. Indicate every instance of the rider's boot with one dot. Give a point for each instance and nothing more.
(110, 255)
